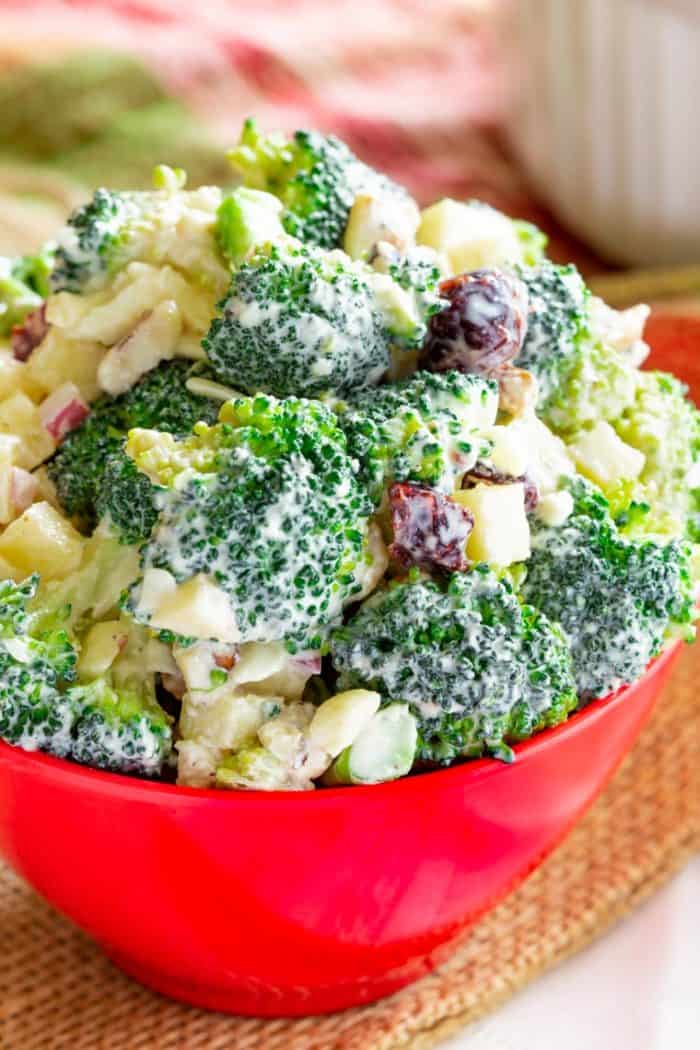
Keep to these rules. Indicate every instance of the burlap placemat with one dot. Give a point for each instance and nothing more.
(57, 991)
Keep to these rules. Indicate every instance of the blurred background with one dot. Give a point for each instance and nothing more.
(576, 114)
(97, 92)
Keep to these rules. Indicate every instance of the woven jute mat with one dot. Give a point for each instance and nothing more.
(58, 992)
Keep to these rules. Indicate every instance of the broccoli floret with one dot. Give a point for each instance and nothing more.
(663, 424)
(37, 658)
(615, 598)
(127, 499)
(477, 669)
(316, 177)
(107, 723)
(557, 327)
(89, 246)
(120, 727)
(265, 504)
(426, 428)
(23, 286)
(114, 229)
(532, 240)
(298, 321)
(411, 297)
(579, 379)
(93, 450)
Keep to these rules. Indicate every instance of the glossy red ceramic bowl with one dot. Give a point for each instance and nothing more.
(286, 903)
(290, 904)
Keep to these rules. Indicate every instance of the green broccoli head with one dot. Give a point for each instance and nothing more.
(126, 499)
(114, 229)
(409, 294)
(316, 177)
(266, 505)
(107, 723)
(664, 424)
(299, 322)
(580, 380)
(23, 286)
(88, 248)
(425, 429)
(160, 399)
(36, 659)
(477, 669)
(614, 597)
(120, 727)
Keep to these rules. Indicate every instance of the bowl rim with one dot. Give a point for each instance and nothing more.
(475, 769)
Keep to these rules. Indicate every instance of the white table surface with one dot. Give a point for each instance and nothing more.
(638, 988)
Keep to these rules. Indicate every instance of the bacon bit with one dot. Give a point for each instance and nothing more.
(63, 411)
(227, 661)
(26, 337)
(23, 489)
(430, 529)
(484, 474)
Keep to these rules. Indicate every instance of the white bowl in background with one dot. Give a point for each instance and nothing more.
(606, 121)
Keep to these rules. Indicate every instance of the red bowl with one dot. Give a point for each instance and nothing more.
(290, 904)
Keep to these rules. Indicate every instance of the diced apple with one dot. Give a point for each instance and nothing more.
(101, 647)
(547, 455)
(67, 309)
(63, 411)
(153, 340)
(501, 534)
(61, 359)
(10, 449)
(156, 585)
(6, 510)
(341, 718)
(510, 455)
(197, 762)
(604, 457)
(42, 540)
(374, 219)
(24, 488)
(16, 376)
(471, 235)
(554, 508)
(257, 661)
(19, 416)
(198, 609)
(10, 572)
(46, 490)
(229, 721)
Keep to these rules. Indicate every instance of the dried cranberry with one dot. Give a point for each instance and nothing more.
(430, 529)
(485, 474)
(483, 326)
(26, 337)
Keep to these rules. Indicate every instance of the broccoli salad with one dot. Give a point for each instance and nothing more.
(301, 485)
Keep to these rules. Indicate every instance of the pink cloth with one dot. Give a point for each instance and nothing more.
(416, 87)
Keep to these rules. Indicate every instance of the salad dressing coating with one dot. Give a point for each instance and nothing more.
(300, 485)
